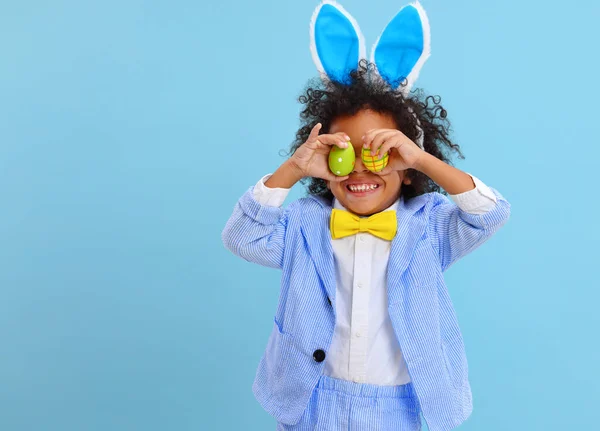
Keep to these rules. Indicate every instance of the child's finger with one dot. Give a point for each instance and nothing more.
(368, 137)
(388, 144)
(344, 137)
(331, 140)
(341, 139)
(379, 140)
(314, 133)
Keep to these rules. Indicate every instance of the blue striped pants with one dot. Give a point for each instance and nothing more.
(337, 405)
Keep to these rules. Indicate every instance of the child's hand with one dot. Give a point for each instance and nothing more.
(311, 158)
(404, 153)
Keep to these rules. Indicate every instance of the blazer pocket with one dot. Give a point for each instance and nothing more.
(455, 361)
(273, 356)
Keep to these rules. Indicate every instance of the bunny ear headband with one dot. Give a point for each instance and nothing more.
(338, 45)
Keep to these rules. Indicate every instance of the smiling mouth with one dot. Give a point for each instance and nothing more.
(362, 188)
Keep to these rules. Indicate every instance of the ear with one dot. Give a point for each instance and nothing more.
(336, 42)
(403, 47)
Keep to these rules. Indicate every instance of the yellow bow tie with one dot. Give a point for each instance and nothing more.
(382, 225)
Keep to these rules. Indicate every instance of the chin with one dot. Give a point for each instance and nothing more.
(365, 208)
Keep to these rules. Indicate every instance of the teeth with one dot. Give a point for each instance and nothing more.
(362, 187)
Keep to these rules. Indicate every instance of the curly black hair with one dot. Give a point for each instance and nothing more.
(324, 102)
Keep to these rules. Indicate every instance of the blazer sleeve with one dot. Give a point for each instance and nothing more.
(455, 232)
(256, 232)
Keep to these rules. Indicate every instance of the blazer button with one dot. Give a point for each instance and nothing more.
(319, 355)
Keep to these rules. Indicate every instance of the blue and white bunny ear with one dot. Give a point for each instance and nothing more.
(403, 47)
(336, 42)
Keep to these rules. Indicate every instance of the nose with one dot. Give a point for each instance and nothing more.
(359, 165)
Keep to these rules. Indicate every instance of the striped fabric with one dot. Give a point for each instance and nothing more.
(433, 233)
(342, 405)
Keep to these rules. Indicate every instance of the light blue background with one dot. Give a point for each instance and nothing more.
(129, 129)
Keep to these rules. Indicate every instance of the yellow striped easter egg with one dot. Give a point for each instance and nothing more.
(371, 163)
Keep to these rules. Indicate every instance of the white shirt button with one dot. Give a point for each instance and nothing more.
(358, 334)
(359, 284)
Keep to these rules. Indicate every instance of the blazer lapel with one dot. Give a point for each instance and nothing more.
(316, 233)
(411, 227)
(315, 229)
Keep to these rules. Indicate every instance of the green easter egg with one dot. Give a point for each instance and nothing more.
(341, 160)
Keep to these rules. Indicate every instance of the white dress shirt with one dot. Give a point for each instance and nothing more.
(364, 347)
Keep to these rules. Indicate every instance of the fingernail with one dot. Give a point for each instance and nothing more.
(345, 144)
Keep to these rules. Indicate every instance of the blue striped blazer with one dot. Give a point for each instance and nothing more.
(433, 233)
